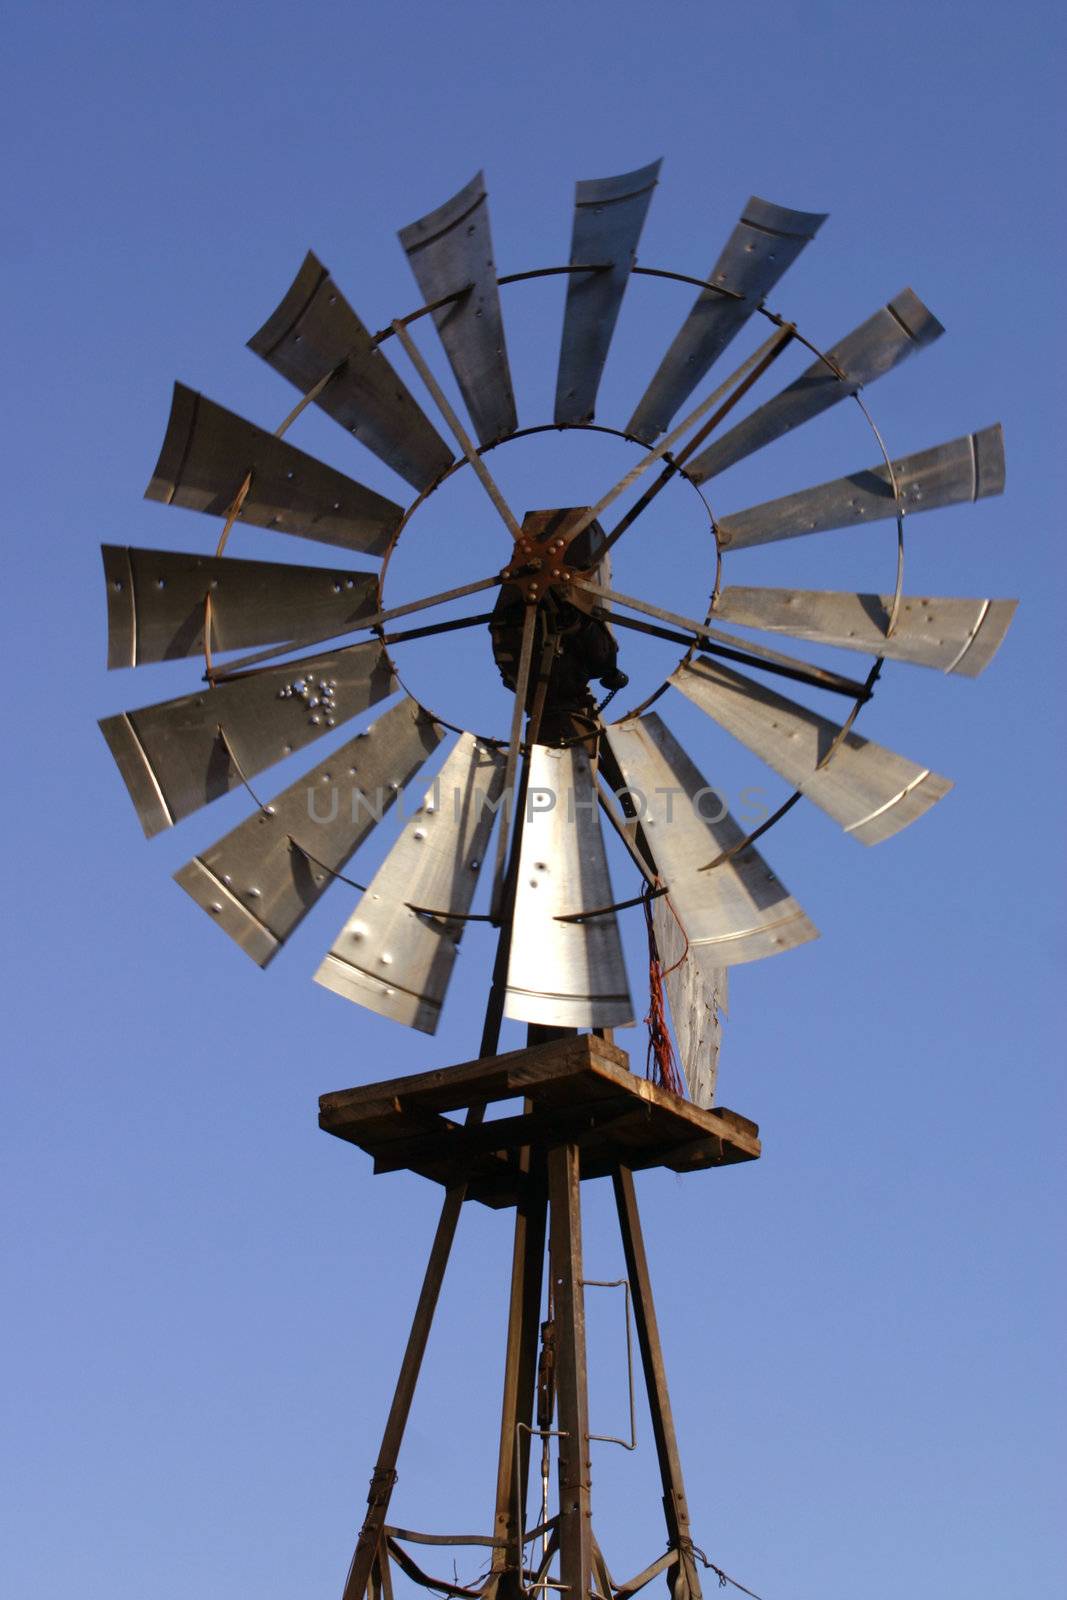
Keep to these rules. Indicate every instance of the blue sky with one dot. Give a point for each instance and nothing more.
(205, 1295)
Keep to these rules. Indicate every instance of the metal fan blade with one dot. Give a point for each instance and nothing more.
(696, 994)
(765, 242)
(737, 911)
(208, 452)
(868, 352)
(315, 331)
(178, 755)
(564, 974)
(262, 879)
(963, 469)
(396, 952)
(450, 249)
(953, 635)
(609, 214)
(870, 791)
(155, 603)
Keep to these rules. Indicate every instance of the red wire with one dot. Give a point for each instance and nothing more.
(661, 1065)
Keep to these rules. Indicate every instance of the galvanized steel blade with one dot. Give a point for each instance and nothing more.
(314, 331)
(564, 974)
(963, 469)
(739, 911)
(870, 791)
(181, 754)
(396, 952)
(765, 242)
(451, 253)
(609, 214)
(696, 994)
(208, 452)
(953, 635)
(261, 880)
(867, 353)
(156, 603)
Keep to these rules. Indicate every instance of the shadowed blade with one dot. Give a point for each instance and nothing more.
(869, 790)
(315, 331)
(262, 879)
(208, 452)
(765, 242)
(738, 911)
(868, 352)
(181, 754)
(964, 469)
(397, 960)
(155, 603)
(696, 994)
(450, 249)
(959, 636)
(609, 214)
(564, 974)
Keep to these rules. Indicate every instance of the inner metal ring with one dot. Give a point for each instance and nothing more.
(525, 433)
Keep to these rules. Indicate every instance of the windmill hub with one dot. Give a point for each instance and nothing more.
(546, 556)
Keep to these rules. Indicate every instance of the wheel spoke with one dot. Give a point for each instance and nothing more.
(729, 644)
(745, 375)
(522, 681)
(463, 439)
(374, 621)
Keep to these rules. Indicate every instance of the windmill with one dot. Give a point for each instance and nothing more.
(319, 646)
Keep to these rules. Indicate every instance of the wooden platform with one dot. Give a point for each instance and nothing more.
(577, 1090)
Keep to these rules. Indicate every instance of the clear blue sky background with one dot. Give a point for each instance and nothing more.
(204, 1295)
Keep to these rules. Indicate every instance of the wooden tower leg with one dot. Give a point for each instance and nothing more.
(520, 1362)
(685, 1583)
(520, 1378)
(572, 1395)
(384, 1475)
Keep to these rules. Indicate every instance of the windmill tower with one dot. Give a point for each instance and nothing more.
(523, 812)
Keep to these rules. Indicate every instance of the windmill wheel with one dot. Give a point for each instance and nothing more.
(552, 631)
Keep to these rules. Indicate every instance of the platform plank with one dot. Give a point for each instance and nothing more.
(498, 1078)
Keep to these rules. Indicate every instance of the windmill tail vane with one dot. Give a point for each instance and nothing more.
(320, 654)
